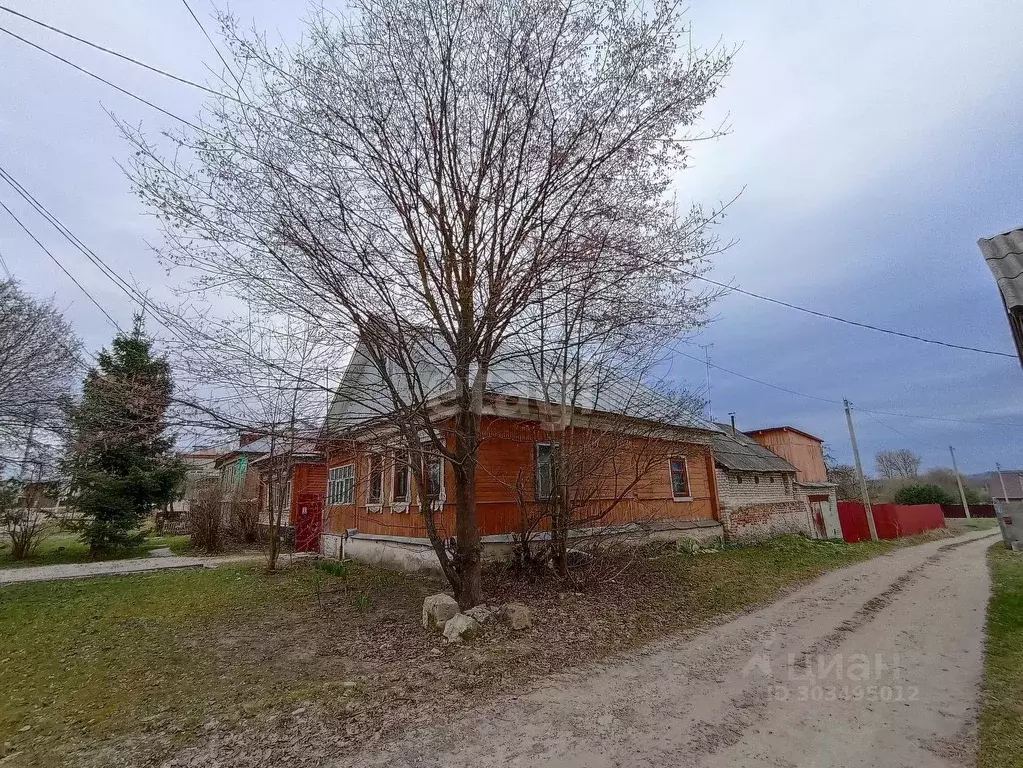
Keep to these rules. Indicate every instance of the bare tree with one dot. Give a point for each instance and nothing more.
(900, 463)
(267, 377)
(38, 362)
(424, 175)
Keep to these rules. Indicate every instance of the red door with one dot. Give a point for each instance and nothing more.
(308, 525)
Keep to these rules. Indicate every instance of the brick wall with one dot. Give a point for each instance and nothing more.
(752, 510)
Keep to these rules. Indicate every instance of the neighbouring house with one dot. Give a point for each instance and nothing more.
(239, 483)
(992, 482)
(662, 484)
(302, 468)
(200, 469)
(757, 488)
(806, 453)
(1004, 256)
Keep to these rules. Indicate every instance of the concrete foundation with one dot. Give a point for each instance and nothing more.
(408, 554)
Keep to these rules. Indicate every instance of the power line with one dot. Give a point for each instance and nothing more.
(192, 83)
(838, 319)
(3, 263)
(62, 268)
(213, 45)
(833, 401)
(103, 80)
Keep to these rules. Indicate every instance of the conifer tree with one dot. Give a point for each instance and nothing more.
(120, 460)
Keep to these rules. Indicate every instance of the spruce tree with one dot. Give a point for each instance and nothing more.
(120, 462)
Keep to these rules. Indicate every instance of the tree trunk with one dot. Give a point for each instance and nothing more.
(468, 559)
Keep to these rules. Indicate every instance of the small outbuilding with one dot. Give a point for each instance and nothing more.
(757, 489)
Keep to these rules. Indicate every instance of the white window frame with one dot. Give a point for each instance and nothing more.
(341, 487)
(441, 497)
(685, 473)
(401, 505)
(375, 504)
(550, 470)
(287, 495)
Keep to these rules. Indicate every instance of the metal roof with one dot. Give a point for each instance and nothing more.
(785, 428)
(740, 452)
(363, 395)
(1004, 256)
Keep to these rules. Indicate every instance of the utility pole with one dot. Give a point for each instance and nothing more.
(859, 471)
(706, 353)
(1005, 493)
(959, 480)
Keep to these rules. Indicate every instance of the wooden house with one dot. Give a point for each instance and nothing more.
(659, 480)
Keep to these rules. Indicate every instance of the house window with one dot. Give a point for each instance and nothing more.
(341, 485)
(679, 479)
(738, 478)
(433, 476)
(287, 496)
(375, 493)
(772, 478)
(546, 469)
(788, 485)
(756, 479)
(400, 482)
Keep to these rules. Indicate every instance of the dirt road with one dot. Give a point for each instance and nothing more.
(876, 664)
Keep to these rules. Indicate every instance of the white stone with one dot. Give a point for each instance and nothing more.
(516, 615)
(437, 609)
(461, 627)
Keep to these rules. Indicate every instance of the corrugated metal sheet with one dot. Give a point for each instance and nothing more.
(740, 452)
(1004, 256)
(363, 394)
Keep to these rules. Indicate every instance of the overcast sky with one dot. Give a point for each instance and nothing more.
(874, 141)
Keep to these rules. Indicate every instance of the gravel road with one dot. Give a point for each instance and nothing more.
(877, 664)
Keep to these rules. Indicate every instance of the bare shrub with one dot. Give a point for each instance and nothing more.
(26, 527)
(206, 520)
(243, 525)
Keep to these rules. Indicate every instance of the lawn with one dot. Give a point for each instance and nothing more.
(1001, 716)
(60, 547)
(130, 670)
(963, 525)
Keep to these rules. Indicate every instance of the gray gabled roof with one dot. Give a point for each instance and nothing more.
(1004, 256)
(740, 452)
(363, 396)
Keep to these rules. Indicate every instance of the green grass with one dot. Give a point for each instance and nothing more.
(155, 656)
(138, 665)
(1001, 715)
(973, 524)
(63, 547)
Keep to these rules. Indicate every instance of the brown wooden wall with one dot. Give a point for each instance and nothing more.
(506, 486)
(804, 453)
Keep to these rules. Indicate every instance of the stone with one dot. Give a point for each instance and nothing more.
(461, 627)
(348, 684)
(437, 609)
(516, 616)
(436, 652)
(482, 613)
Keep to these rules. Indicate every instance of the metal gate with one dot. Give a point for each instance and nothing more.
(308, 524)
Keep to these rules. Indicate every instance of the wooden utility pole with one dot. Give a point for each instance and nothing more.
(859, 471)
(1005, 493)
(959, 480)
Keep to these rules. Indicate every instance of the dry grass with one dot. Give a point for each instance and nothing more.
(1001, 716)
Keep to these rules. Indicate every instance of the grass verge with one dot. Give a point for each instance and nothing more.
(130, 670)
(1001, 715)
(63, 547)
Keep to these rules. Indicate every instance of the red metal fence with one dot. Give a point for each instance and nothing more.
(890, 520)
(976, 510)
